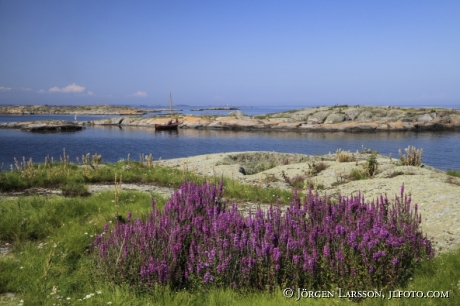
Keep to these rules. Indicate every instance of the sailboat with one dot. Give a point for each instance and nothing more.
(171, 124)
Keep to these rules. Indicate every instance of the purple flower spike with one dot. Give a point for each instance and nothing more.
(199, 239)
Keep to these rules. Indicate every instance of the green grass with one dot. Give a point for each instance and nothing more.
(452, 172)
(51, 237)
(72, 179)
(358, 174)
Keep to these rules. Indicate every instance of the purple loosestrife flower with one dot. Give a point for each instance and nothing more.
(296, 259)
(340, 257)
(196, 236)
(326, 251)
(379, 254)
(276, 254)
(207, 278)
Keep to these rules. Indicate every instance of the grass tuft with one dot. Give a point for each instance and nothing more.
(452, 172)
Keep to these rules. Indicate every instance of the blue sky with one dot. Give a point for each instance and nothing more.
(267, 53)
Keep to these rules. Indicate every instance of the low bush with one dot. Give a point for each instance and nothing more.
(343, 156)
(357, 174)
(75, 189)
(316, 168)
(413, 156)
(371, 166)
(199, 243)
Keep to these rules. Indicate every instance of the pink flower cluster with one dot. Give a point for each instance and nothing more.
(197, 241)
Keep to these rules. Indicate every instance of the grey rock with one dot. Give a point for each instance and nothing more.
(110, 121)
(365, 116)
(319, 116)
(379, 112)
(216, 124)
(365, 127)
(335, 118)
(407, 120)
(425, 118)
(395, 113)
(313, 121)
(352, 113)
(455, 119)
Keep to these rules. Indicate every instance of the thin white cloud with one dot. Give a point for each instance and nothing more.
(90, 93)
(72, 88)
(41, 91)
(140, 94)
(5, 88)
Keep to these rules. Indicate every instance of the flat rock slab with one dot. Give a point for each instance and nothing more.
(44, 126)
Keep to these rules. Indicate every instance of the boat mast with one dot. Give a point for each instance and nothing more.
(170, 105)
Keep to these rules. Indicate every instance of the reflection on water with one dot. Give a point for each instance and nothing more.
(114, 143)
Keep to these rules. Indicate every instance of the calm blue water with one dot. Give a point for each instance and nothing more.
(441, 149)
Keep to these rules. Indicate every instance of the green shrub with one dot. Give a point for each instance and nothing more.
(75, 189)
(357, 174)
(371, 165)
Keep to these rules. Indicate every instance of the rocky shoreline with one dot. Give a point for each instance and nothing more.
(352, 119)
(316, 119)
(44, 126)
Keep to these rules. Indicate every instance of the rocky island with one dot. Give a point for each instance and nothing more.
(44, 126)
(342, 118)
(323, 119)
(71, 110)
(214, 108)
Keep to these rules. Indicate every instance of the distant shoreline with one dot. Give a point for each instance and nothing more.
(341, 118)
(71, 110)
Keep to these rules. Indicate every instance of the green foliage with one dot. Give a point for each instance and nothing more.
(358, 174)
(369, 170)
(75, 189)
(371, 165)
(452, 172)
(48, 259)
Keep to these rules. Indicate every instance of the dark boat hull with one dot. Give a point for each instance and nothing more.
(162, 127)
